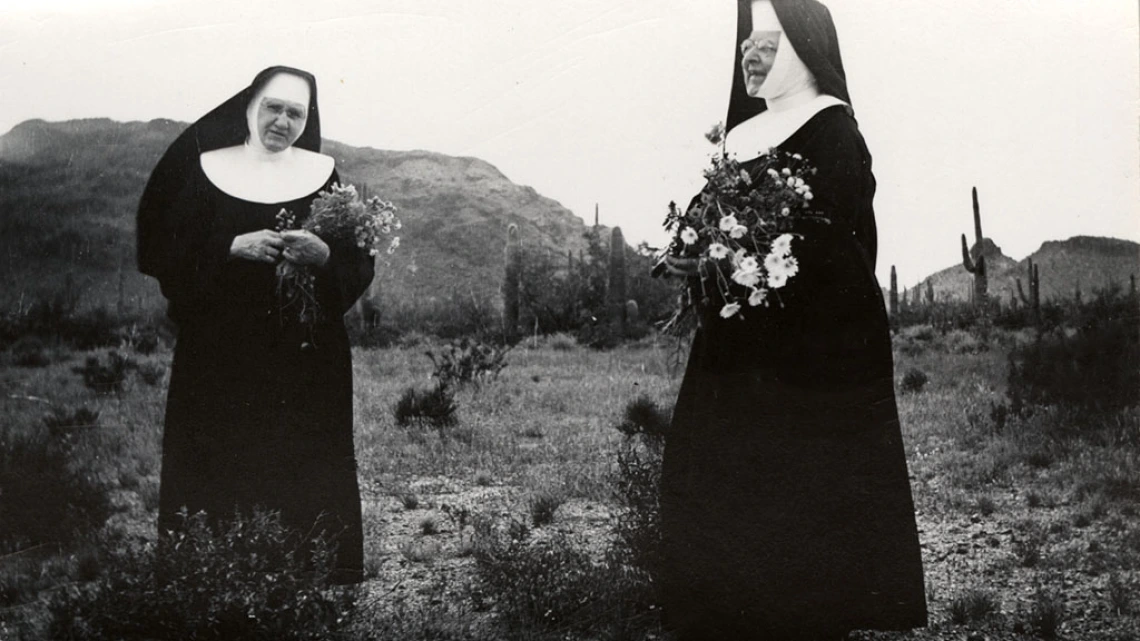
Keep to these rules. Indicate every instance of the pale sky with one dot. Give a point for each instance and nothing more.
(1037, 102)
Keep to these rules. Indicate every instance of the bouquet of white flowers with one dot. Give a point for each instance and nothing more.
(337, 216)
(740, 229)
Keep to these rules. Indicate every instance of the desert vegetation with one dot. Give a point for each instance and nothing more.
(511, 492)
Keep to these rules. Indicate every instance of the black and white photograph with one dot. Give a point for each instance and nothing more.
(369, 320)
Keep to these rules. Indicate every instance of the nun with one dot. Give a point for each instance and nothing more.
(259, 408)
(786, 505)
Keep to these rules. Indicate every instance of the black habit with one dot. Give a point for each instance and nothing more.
(786, 504)
(259, 409)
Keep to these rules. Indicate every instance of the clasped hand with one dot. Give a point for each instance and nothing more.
(296, 246)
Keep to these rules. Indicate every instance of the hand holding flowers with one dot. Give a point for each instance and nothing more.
(737, 236)
(338, 217)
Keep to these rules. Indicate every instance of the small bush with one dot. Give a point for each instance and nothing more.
(429, 526)
(249, 580)
(561, 342)
(642, 416)
(408, 500)
(1096, 369)
(467, 362)
(106, 378)
(543, 505)
(973, 606)
(1119, 595)
(1047, 613)
(914, 380)
(152, 373)
(44, 498)
(30, 352)
(436, 407)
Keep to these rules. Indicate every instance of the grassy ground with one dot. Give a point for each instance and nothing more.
(1029, 524)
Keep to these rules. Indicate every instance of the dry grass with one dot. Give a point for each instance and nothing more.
(1035, 508)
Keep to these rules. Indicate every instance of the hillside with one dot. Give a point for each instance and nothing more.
(1085, 262)
(68, 193)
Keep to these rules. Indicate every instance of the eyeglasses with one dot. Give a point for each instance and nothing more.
(765, 46)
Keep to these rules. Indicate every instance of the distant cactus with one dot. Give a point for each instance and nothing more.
(1033, 299)
(976, 265)
(617, 290)
(632, 311)
(894, 297)
(511, 284)
(929, 292)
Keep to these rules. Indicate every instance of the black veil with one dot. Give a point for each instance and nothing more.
(224, 126)
(808, 24)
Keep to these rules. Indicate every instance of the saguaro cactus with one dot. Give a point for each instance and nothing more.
(894, 296)
(511, 284)
(617, 290)
(976, 264)
(1033, 299)
(929, 292)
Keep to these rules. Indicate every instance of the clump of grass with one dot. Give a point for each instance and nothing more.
(643, 416)
(1119, 595)
(985, 505)
(973, 606)
(152, 373)
(436, 407)
(106, 377)
(914, 380)
(429, 526)
(484, 478)
(561, 342)
(421, 551)
(533, 431)
(1091, 510)
(408, 500)
(1047, 613)
(30, 352)
(543, 505)
(1028, 546)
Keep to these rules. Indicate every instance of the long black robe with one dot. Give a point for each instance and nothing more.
(259, 410)
(786, 505)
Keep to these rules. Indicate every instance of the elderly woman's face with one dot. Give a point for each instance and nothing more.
(759, 53)
(280, 122)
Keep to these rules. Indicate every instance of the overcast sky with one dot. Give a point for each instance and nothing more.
(1036, 102)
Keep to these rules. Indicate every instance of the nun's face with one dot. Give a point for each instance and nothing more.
(280, 122)
(759, 54)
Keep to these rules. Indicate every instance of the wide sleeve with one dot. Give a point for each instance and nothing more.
(179, 244)
(347, 274)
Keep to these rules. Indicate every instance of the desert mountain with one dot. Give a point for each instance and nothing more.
(68, 193)
(1086, 263)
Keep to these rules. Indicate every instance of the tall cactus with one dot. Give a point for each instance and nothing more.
(976, 265)
(1033, 299)
(511, 285)
(617, 289)
(894, 296)
(929, 292)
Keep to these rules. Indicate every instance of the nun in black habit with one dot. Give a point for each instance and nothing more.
(259, 409)
(786, 505)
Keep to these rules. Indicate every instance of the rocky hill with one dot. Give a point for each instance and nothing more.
(68, 193)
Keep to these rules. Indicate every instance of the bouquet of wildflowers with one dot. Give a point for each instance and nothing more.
(740, 229)
(338, 215)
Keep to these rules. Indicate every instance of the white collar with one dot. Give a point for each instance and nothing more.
(770, 128)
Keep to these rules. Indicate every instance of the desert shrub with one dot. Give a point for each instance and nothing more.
(543, 505)
(106, 378)
(561, 342)
(43, 497)
(152, 373)
(636, 547)
(537, 584)
(1046, 613)
(1095, 369)
(251, 579)
(973, 606)
(30, 351)
(435, 407)
(914, 380)
(467, 361)
(143, 339)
